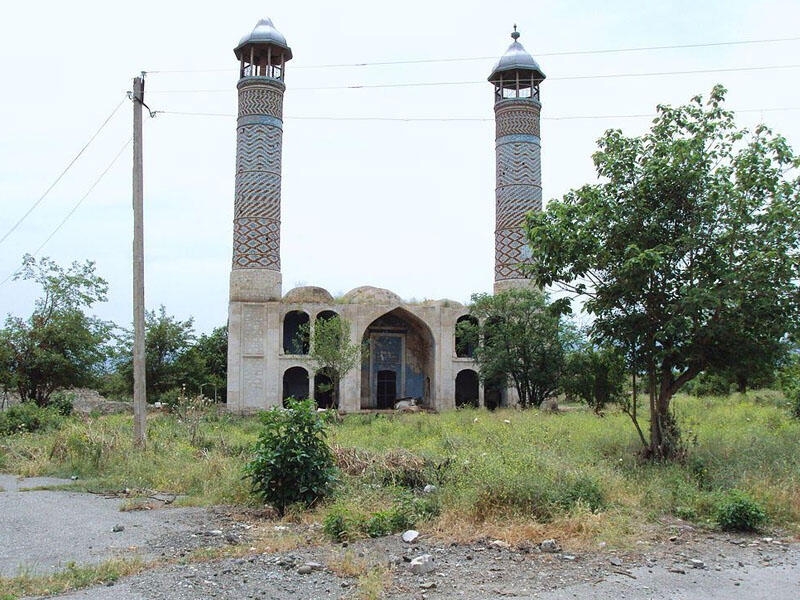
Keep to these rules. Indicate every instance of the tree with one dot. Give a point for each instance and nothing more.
(595, 376)
(204, 365)
(686, 252)
(520, 339)
(332, 352)
(167, 339)
(59, 345)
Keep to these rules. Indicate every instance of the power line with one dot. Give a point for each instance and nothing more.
(76, 205)
(538, 54)
(61, 175)
(459, 119)
(453, 83)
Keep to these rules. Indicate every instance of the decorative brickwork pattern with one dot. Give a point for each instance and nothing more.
(519, 163)
(512, 204)
(519, 183)
(517, 117)
(256, 244)
(258, 194)
(258, 147)
(510, 251)
(261, 99)
(257, 205)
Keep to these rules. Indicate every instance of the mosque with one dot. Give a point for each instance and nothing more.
(413, 350)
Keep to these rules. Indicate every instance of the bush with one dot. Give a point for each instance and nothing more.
(62, 402)
(28, 417)
(343, 522)
(292, 463)
(739, 512)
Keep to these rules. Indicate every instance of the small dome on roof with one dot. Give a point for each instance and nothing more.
(443, 302)
(264, 33)
(368, 294)
(515, 59)
(308, 294)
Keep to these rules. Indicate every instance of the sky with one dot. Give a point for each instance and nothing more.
(390, 185)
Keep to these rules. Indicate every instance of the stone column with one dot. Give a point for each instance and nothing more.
(519, 186)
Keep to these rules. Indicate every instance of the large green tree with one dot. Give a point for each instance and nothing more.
(59, 345)
(520, 339)
(167, 340)
(686, 252)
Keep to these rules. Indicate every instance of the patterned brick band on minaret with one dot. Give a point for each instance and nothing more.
(519, 184)
(257, 205)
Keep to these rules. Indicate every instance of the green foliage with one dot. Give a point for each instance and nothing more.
(737, 511)
(594, 376)
(62, 401)
(686, 253)
(291, 461)
(710, 384)
(789, 380)
(28, 417)
(332, 352)
(520, 339)
(167, 341)
(348, 519)
(59, 345)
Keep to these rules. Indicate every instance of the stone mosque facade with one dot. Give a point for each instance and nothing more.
(413, 351)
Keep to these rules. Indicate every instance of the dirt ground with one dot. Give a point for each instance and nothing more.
(41, 531)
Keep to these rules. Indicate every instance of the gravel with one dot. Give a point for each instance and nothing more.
(677, 561)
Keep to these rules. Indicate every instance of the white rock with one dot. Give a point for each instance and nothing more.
(422, 564)
(550, 546)
(499, 544)
(429, 489)
(410, 535)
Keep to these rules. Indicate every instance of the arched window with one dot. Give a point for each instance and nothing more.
(295, 332)
(295, 383)
(323, 389)
(466, 336)
(467, 388)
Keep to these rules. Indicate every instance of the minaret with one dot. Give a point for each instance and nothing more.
(516, 78)
(256, 269)
(255, 284)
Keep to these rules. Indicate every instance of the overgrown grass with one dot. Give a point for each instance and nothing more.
(101, 453)
(508, 474)
(74, 577)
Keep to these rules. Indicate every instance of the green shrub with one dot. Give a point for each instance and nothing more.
(737, 511)
(292, 463)
(343, 522)
(28, 417)
(62, 402)
(582, 490)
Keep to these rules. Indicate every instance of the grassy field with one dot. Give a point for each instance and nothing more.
(508, 473)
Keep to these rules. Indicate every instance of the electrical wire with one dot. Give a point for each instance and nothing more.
(76, 205)
(61, 175)
(538, 54)
(459, 119)
(451, 83)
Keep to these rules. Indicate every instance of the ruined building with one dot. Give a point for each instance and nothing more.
(413, 351)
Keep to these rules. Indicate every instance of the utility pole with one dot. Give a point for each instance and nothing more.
(139, 388)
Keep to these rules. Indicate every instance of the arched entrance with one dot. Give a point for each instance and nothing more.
(323, 390)
(467, 388)
(295, 383)
(400, 361)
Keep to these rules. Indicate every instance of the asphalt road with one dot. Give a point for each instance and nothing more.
(43, 531)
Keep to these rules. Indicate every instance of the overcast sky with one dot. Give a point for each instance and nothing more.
(402, 204)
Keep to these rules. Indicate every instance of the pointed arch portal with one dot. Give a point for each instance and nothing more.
(400, 361)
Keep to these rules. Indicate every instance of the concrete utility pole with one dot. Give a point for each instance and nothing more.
(139, 388)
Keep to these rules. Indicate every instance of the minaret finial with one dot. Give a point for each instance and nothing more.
(515, 35)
